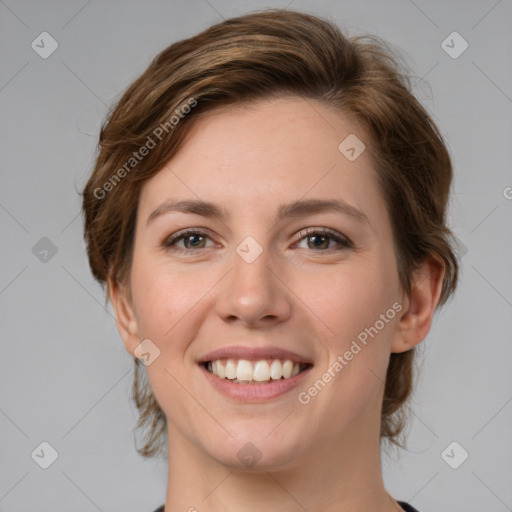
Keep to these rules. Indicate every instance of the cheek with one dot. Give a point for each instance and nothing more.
(163, 299)
(168, 313)
(355, 304)
(347, 298)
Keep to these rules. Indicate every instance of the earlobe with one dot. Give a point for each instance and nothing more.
(125, 317)
(416, 320)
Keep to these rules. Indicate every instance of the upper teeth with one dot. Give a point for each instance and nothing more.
(262, 370)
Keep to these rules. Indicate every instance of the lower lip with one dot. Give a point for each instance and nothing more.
(254, 392)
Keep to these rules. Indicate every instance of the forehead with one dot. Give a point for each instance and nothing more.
(269, 152)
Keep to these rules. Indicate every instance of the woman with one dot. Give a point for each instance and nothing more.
(268, 213)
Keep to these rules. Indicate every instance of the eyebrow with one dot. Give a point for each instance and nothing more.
(299, 208)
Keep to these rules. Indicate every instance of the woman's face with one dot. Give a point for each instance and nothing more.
(290, 258)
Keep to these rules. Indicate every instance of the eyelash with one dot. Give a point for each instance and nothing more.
(342, 241)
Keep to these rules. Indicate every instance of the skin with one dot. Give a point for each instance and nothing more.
(324, 455)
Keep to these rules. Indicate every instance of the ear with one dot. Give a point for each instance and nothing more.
(414, 324)
(125, 317)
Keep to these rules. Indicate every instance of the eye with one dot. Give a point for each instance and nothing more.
(321, 240)
(192, 239)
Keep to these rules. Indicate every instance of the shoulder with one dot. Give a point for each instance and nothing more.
(403, 504)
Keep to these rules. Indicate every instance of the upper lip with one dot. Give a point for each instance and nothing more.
(253, 353)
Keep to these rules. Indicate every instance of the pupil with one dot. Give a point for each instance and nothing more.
(197, 239)
(318, 240)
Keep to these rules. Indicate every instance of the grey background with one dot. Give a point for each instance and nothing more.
(65, 377)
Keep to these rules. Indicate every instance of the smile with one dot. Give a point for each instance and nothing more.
(263, 371)
(254, 374)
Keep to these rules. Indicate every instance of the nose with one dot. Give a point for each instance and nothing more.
(254, 294)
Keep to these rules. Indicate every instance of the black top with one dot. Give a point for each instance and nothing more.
(404, 505)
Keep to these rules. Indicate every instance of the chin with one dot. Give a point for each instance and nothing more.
(258, 451)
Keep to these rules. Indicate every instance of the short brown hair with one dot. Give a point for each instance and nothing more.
(255, 57)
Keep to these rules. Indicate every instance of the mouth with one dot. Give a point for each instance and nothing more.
(262, 371)
(250, 374)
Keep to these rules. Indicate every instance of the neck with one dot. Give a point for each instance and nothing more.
(333, 476)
